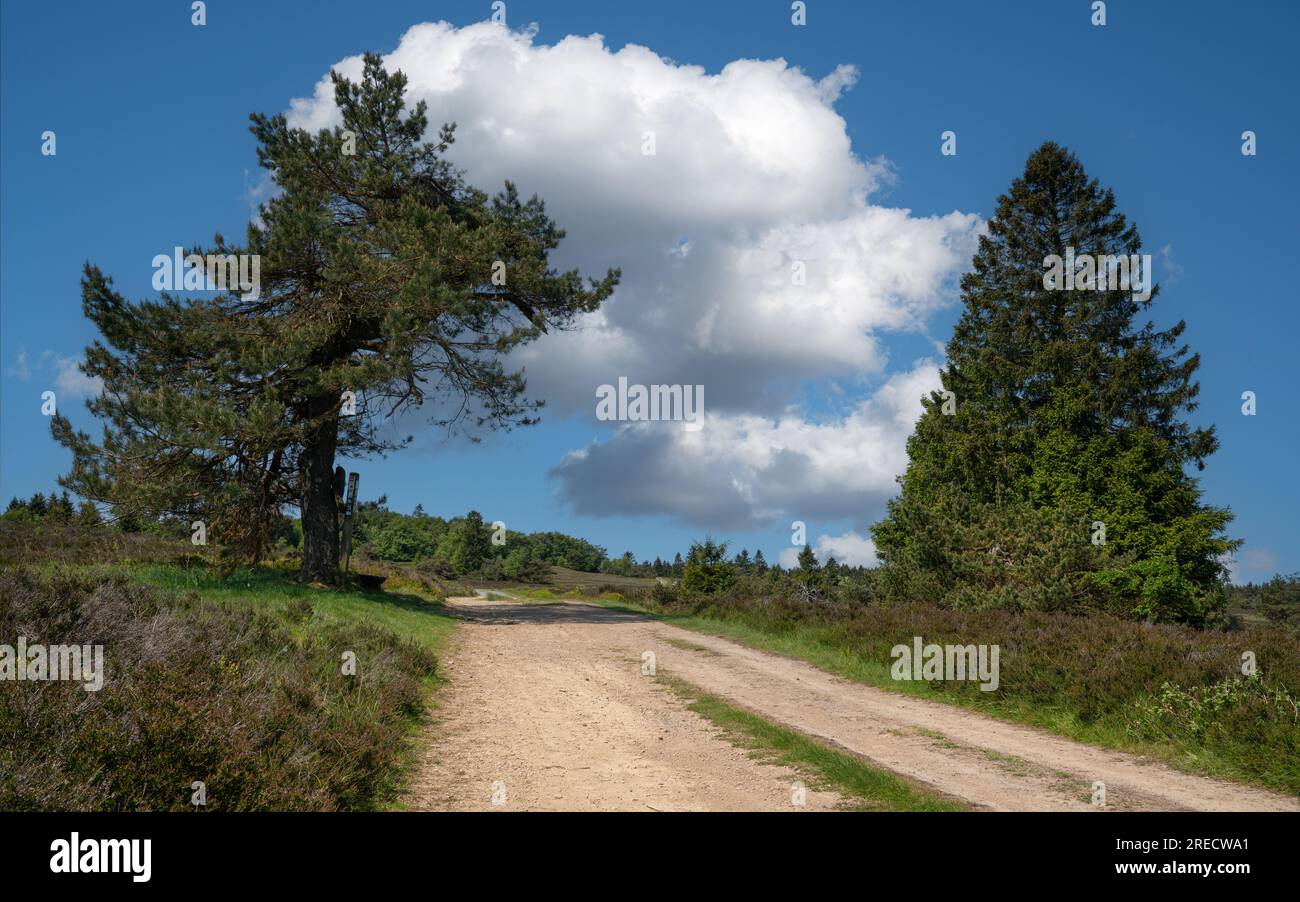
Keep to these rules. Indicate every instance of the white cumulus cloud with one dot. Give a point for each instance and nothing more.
(754, 261)
(742, 471)
(849, 548)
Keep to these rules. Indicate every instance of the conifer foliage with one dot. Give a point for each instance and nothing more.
(1056, 457)
(388, 285)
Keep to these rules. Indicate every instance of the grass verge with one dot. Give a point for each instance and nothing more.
(401, 608)
(1163, 692)
(870, 788)
(241, 682)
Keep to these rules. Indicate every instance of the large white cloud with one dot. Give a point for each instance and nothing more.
(742, 471)
(752, 178)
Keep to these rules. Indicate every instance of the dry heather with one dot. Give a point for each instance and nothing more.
(1167, 687)
(252, 704)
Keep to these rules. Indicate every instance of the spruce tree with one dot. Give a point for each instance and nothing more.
(387, 285)
(88, 514)
(1060, 432)
(808, 559)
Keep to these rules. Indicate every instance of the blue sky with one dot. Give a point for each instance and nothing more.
(153, 151)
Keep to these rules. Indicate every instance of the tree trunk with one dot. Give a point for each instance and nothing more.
(320, 514)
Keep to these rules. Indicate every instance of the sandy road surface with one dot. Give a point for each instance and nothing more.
(548, 710)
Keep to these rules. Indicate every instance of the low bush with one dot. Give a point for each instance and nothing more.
(43, 542)
(251, 702)
(1092, 675)
(1260, 721)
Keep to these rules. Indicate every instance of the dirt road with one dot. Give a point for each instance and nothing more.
(548, 709)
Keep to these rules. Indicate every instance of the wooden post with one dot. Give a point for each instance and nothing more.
(348, 511)
(340, 481)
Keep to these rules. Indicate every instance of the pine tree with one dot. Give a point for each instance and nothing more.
(808, 560)
(1279, 599)
(387, 285)
(707, 569)
(1068, 414)
(60, 508)
(760, 562)
(88, 514)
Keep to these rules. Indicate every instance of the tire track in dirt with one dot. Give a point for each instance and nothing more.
(544, 713)
(550, 701)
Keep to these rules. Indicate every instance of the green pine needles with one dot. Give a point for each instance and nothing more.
(1051, 471)
(387, 285)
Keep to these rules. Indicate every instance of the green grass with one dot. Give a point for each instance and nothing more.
(236, 680)
(566, 580)
(553, 596)
(409, 614)
(826, 647)
(869, 788)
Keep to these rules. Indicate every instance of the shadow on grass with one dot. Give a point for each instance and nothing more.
(271, 582)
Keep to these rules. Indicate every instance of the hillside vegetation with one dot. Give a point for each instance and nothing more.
(239, 681)
(1167, 690)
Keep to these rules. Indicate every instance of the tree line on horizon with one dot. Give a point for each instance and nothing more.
(461, 547)
(464, 546)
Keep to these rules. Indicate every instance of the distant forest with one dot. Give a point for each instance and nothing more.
(464, 547)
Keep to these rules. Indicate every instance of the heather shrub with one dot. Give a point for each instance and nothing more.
(197, 690)
(1093, 669)
(1261, 721)
(41, 541)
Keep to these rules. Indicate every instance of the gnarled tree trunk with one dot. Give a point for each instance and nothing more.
(320, 514)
